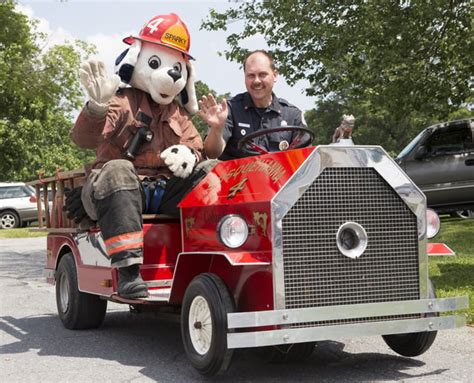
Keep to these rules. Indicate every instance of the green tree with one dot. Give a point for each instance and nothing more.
(39, 92)
(399, 64)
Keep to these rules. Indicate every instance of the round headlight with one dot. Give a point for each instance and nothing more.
(233, 231)
(432, 223)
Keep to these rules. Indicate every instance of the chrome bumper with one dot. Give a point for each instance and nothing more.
(287, 335)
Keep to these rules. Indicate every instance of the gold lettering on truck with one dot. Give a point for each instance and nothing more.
(270, 167)
(260, 220)
(237, 188)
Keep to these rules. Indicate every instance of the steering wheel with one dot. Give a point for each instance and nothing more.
(296, 143)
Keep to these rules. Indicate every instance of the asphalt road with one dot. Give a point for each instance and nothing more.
(143, 348)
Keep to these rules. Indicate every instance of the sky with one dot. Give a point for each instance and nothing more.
(105, 23)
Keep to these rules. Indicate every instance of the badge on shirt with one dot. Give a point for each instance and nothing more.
(283, 145)
(244, 125)
(243, 132)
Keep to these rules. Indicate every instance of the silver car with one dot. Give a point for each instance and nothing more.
(17, 205)
(440, 160)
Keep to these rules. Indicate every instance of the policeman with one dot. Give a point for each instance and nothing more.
(256, 109)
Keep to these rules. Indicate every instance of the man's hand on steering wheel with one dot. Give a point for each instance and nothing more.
(296, 143)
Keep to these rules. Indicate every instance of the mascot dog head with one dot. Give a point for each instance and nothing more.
(158, 62)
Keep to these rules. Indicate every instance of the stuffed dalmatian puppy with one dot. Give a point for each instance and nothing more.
(138, 122)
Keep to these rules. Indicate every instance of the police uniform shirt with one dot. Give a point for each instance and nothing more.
(245, 118)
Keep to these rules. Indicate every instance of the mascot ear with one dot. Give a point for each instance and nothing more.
(125, 63)
(187, 96)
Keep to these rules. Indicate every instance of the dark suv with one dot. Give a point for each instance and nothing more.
(440, 160)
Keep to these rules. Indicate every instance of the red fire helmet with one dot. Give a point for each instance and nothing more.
(167, 30)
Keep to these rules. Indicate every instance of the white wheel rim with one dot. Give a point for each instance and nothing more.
(200, 325)
(64, 292)
(466, 213)
(8, 221)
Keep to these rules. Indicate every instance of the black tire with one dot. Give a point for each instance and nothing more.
(77, 311)
(291, 353)
(413, 344)
(9, 219)
(211, 294)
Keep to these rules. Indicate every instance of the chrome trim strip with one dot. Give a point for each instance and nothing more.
(311, 334)
(225, 255)
(162, 295)
(280, 205)
(291, 316)
(159, 283)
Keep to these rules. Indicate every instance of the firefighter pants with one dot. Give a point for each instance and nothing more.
(114, 198)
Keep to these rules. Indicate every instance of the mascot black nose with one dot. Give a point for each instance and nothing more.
(175, 75)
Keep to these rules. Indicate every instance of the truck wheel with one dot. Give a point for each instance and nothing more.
(204, 324)
(296, 352)
(76, 310)
(413, 344)
(464, 214)
(9, 220)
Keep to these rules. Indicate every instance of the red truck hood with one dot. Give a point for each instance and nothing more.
(251, 179)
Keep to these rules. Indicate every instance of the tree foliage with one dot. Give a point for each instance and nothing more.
(39, 92)
(398, 65)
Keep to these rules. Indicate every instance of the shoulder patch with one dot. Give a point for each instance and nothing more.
(284, 102)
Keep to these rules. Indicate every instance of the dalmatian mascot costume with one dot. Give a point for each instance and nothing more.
(137, 120)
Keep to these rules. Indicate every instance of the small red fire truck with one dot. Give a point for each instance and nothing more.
(278, 250)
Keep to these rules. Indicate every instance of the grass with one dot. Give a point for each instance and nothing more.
(454, 276)
(24, 232)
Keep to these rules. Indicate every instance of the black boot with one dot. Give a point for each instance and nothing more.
(130, 283)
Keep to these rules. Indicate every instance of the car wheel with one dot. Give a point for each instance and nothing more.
(9, 220)
(76, 310)
(465, 214)
(204, 324)
(413, 344)
(296, 352)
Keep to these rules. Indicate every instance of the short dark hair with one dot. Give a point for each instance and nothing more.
(268, 55)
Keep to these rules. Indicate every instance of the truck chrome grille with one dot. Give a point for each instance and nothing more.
(317, 274)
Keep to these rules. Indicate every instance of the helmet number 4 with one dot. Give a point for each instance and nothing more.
(153, 24)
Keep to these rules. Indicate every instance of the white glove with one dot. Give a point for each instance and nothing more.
(99, 86)
(180, 160)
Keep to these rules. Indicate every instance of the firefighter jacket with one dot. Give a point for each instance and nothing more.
(110, 135)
